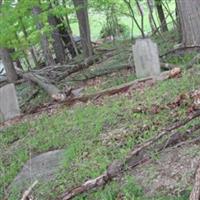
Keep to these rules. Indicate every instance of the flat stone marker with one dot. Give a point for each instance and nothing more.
(146, 58)
(9, 107)
(43, 168)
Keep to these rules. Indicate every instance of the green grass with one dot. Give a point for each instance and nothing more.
(79, 130)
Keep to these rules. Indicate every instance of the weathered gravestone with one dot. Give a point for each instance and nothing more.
(9, 107)
(146, 58)
(43, 168)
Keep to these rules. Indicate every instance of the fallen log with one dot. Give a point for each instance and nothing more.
(87, 63)
(111, 91)
(45, 84)
(121, 88)
(103, 72)
(195, 194)
(118, 167)
(164, 66)
(181, 49)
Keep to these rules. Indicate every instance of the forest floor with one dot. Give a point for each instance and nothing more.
(95, 133)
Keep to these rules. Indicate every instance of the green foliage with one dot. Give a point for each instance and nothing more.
(117, 30)
(18, 17)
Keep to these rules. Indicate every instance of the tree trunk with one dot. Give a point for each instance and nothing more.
(26, 37)
(57, 40)
(44, 40)
(189, 15)
(151, 17)
(67, 39)
(84, 28)
(161, 15)
(8, 64)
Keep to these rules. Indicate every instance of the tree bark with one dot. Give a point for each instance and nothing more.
(65, 33)
(195, 194)
(84, 27)
(189, 15)
(8, 64)
(57, 40)
(161, 15)
(44, 40)
(45, 84)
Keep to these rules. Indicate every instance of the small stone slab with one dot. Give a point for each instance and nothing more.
(42, 168)
(146, 58)
(9, 107)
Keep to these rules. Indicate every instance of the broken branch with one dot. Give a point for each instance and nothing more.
(28, 191)
(118, 166)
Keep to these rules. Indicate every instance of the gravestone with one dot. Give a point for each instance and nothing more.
(9, 107)
(43, 168)
(146, 58)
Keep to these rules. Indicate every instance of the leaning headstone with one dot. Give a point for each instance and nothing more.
(9, 107)
(146, 58)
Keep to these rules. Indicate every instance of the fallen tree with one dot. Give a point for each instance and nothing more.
(130, 161)
(45, 84)
(124, 87)
(103, 72)
(60, 72)
(107, 71)
(181, 49)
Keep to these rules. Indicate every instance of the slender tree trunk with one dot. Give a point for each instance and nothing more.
(161, 15)
(31, 48)
(84, 27)
(189, 15)
(68, 35)
(167, 8)
(64, 31)
(151, 17)
(132, 15)
(142, 17)
(44, 40)
(8, 64)
(74, 51)
(57, 41)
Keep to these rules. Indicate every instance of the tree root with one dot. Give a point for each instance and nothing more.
(195, 194)
(117, 167)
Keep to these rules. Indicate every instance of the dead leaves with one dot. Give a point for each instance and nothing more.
(196, 98)
(182, 99)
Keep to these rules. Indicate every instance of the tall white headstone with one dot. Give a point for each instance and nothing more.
(9, 107)
(146, 58)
